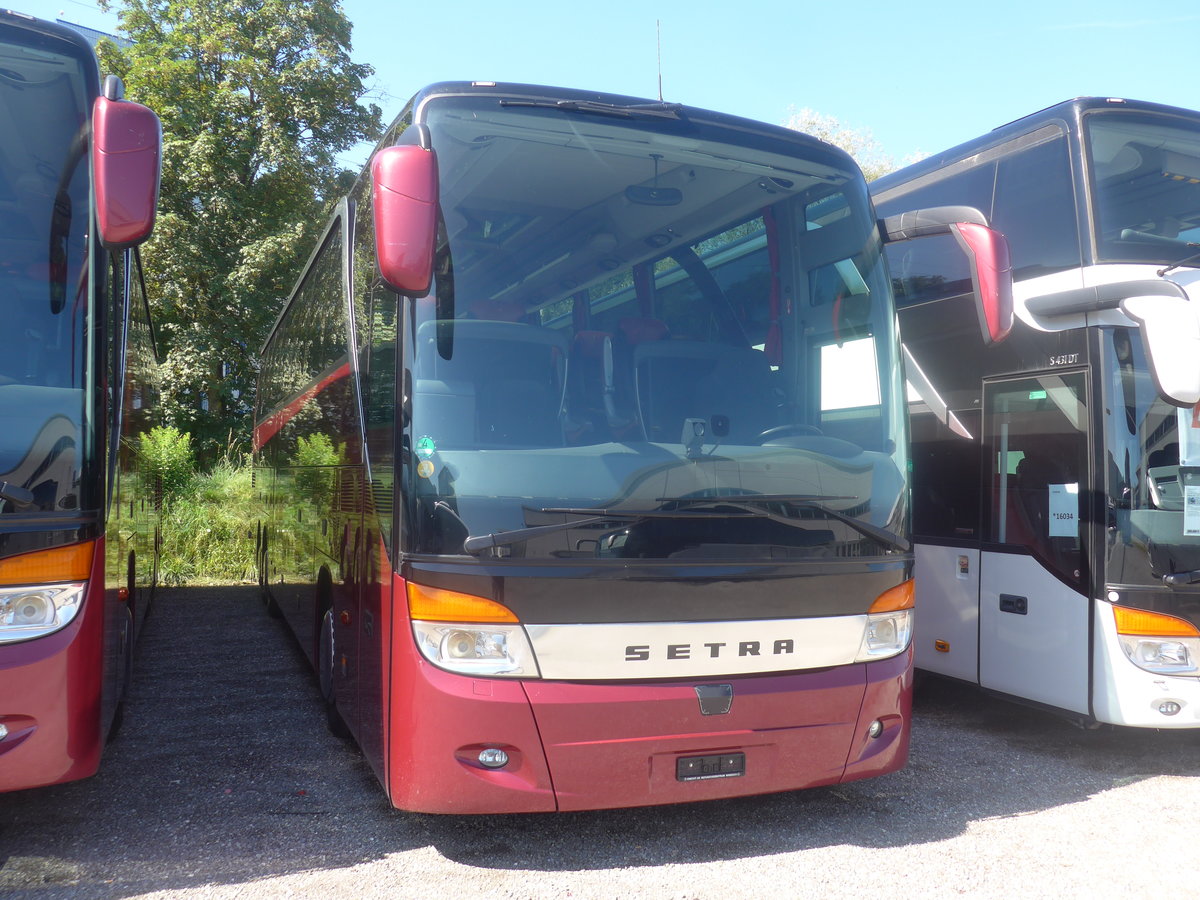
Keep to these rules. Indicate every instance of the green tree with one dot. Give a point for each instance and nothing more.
(860, 143)
(257, 98)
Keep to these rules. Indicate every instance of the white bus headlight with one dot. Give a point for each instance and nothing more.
(491, 650)
(36, 610)
(885, 634)
(1156, 642)
(468, 634)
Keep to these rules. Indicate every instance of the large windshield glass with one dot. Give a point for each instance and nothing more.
(653, 337)
(44, 214)
(1145, 173)
(1152, 461)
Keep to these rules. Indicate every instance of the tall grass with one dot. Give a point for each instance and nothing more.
(208, 527)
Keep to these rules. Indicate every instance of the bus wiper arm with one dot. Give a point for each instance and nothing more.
(1183, 262)
(15, 494)
(1192, 577)
(477, 543)
(813, 501)
(652, 110)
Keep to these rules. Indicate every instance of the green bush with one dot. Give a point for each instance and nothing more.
(166, 456)
(208, 532)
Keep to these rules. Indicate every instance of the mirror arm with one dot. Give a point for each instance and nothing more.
(1101, 296)
(926, 222)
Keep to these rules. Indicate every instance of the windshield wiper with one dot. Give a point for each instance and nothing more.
(477, 543)
(15, 494)
(1183, 262)
(1145, 237)
(742, 503)
(1175, 578)
(812, 501)
(658, 110)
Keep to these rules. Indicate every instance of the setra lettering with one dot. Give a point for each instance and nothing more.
(715, 650)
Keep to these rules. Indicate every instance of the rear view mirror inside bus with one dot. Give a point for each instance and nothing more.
(987, 255)
(404, 202)
(1170, 330)
(126, 157)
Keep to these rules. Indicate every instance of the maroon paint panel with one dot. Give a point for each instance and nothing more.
(581, 746)
(126, 158)
(615, 745)
(50, 698)
(440, 721)
(888, 698)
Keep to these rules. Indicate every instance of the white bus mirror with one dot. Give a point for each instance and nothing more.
(404, 199)
(1170, 331)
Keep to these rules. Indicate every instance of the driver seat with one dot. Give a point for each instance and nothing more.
(729, 387)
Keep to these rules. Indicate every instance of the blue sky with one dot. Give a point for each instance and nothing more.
(922, 76)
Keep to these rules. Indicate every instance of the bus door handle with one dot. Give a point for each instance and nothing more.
(1011, 603)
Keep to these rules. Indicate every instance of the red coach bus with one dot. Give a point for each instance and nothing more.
(582, 445)
(78, 187)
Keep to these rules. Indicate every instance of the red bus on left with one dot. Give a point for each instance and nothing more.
(79, 174)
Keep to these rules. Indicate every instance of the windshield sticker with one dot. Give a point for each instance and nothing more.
(1189, 436)
(426, 447)
(425, 468)
(1064, 510)
(1191, 510)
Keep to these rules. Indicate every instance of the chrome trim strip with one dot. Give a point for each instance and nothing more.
(640, 650)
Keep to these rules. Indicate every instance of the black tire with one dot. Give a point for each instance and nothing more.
(118, 718)
(326, 662)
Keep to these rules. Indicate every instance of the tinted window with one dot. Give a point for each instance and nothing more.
(1035, 208)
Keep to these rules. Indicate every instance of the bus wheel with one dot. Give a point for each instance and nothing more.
(326, 660)
(127, 646)
(264, 586)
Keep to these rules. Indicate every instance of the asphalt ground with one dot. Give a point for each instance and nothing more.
(224, 783)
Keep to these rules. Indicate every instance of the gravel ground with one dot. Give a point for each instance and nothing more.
(225, 784)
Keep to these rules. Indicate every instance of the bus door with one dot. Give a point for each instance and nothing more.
(1033, 606)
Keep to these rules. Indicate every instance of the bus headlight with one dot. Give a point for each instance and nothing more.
(1164, 656)
(1156, 642)
(488, 650)
(886, 634)
(35, 610)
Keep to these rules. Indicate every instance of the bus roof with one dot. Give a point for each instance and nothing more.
(546, 92)
(1069, 113)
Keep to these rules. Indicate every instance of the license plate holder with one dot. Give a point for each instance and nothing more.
(705, 768)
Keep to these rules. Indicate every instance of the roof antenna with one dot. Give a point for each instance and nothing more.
(658, 28)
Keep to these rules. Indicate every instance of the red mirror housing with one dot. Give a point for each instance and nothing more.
(127, 161)
(991, 272)
(986, 251)
(404, 200)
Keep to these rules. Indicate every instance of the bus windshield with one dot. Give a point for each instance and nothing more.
(684, 349)
(1146, 187)
(44, 215)
(1153, 470)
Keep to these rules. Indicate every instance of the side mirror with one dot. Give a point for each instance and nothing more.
(404, 201)
(127, 161)
(1170, 331)
(987, 254)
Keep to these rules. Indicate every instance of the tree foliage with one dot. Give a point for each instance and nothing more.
(860, 143)
(257, 98)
